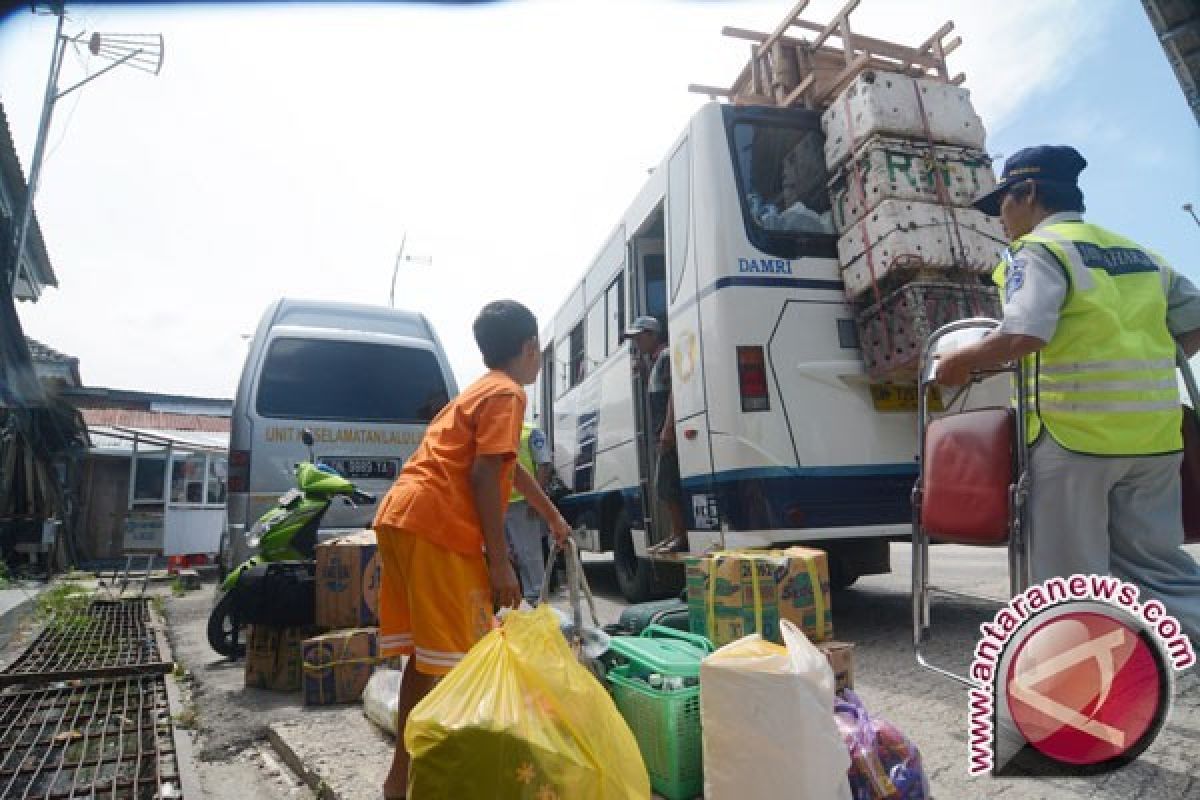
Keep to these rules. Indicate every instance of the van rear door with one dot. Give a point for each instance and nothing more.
(367, 398)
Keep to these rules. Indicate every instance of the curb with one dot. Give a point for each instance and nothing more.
(14, 618)
(290, 757)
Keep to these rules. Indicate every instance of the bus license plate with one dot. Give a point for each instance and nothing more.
(357, 469)
(888, 397)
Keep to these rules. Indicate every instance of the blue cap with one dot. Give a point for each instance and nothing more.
(1044, 164)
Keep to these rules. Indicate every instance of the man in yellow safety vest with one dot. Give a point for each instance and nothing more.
(1098, 319)
(523, 528)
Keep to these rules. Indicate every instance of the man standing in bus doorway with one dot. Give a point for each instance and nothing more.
(654, 362)
(523, 526)
(1097, 319)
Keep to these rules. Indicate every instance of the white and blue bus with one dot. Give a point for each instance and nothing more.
(730, 245)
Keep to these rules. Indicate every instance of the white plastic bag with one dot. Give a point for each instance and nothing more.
(381, 698)
(769, 730)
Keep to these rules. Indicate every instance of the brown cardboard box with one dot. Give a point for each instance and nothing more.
(348, 581)
(273, 657)
(337, 665)
(734, 589)
(841, 658)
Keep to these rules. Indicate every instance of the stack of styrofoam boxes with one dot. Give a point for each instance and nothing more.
(911, 258)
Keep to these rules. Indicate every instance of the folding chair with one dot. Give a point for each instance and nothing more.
(972, 482)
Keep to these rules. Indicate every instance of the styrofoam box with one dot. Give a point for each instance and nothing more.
(910, 235)
(901, 169)
(885, 102)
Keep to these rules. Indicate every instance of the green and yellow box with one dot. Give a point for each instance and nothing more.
(734, 593)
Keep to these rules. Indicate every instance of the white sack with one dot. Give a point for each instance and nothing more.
(769, 730)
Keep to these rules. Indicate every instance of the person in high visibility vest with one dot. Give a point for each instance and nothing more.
(1097, 319)
(522, 525)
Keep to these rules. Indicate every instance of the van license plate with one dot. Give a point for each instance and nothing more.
(357, 469)
(888, 397)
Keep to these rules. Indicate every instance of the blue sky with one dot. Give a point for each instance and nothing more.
(287, 149)
(1124, 110)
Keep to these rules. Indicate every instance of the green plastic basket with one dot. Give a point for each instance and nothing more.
(665, 723)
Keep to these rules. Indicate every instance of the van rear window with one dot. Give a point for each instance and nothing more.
(350, 381)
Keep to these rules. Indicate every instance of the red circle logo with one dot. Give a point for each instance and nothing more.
(1085, 688)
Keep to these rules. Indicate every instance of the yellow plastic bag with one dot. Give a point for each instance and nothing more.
(520, 719)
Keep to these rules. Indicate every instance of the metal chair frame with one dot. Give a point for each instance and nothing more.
(1019, 530)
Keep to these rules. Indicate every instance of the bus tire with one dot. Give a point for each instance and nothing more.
(638, 578)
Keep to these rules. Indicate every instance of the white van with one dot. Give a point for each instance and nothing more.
(365, 379)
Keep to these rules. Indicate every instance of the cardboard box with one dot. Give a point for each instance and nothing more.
(735, 589)
(348, 581)
(337, 665)
(273, 657)
(841, 658)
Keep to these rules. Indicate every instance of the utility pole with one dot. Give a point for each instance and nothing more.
(401, 256)
(140, 51)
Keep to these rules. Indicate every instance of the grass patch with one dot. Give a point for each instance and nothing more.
(188, 718)
(63, 603)
(5, 576)
(177, 588)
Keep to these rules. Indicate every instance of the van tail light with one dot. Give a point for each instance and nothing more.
(239, 471)
(752, 378)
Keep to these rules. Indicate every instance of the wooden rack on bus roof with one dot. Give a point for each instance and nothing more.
(786, 71)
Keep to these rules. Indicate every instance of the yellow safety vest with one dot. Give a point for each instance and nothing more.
(525, 459)
(1105, 383)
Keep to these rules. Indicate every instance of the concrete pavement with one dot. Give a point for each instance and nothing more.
(341, 755)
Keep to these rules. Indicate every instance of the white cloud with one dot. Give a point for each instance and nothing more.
(285, 150)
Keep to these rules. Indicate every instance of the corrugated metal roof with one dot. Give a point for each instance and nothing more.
(156, 420)
(118, 441)
(1177, 23)
(14, 182)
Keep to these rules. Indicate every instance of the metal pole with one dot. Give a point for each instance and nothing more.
(35, 167)
(1189, 208)
(396, 270)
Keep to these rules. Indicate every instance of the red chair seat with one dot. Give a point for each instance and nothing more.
(967, 472)
(1189, 474)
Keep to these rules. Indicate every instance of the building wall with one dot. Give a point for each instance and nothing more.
(105, 498)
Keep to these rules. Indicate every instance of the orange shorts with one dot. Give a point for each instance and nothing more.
(434, 603)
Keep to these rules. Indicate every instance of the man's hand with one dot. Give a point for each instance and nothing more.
(559, 528)
(506, 590)
(953, 369)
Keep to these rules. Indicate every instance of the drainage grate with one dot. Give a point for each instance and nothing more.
(109, 739)
(108, 639)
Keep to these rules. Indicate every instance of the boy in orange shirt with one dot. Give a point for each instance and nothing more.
(441, 526)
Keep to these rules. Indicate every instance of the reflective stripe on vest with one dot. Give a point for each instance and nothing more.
(1105, 383)
(525, 459)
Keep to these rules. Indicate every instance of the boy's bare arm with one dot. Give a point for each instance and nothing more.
(485, 487)
(527, 485)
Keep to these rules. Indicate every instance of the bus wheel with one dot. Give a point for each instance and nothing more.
(639, 578)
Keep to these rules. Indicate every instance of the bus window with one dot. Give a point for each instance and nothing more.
(654, 266)
(595, 333)
(781, 178)
(616, 314)
(578, 355)
(562, 367)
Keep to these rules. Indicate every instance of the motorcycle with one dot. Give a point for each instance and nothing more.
(286, 532)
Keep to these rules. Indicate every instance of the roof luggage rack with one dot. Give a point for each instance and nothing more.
(786, 71)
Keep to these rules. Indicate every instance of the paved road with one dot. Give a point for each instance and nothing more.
(932, 710)
(874, 615)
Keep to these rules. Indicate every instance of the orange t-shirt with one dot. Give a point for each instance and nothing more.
(432, 496)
